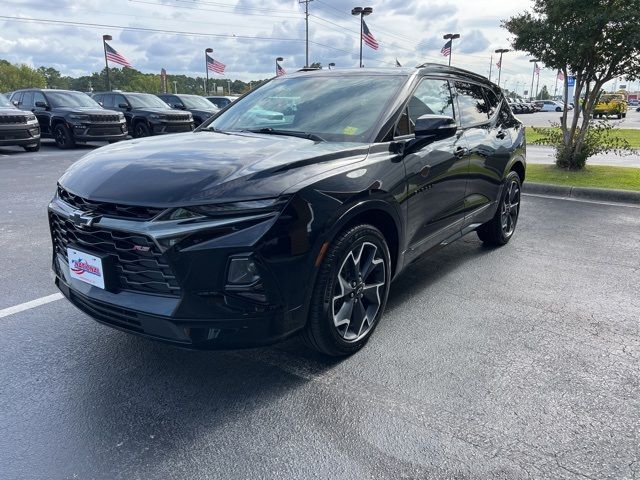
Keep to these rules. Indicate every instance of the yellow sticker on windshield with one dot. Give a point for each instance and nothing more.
(350, 130)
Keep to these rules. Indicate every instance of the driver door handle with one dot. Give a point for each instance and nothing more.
(461, 152)
(501, 135)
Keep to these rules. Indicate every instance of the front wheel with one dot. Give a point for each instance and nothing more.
(62, 137)
(558, 109)
(499, 230)
(141, 130)
(32, 148)
(350, 292)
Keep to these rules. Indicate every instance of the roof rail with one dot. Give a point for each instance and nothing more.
(309, 69)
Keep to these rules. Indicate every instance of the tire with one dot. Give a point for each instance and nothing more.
(499, 230)
(624, 115)
(32, 148)
(558, 109)
(339, 291)
(141, 129)
(619, 116)
(62, 137)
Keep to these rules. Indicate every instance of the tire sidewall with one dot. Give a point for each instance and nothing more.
(68, 142)
(141, 130)
(512, 176)
(327, 280)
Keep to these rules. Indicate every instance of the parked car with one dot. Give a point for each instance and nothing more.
(221, 101)
(550, 105)
(244, 233)
(201, 109)
(145, 113)
(633, 103)
(611, 104)
(71, 117)
(17, 127)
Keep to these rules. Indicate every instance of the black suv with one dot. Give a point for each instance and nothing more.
(146, 114)
(71, 117)
(258, 226)
(17, 127)
(201, 108)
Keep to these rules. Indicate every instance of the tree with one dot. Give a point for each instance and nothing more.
(316, 65)
(543, 94)
(13, 77)
(593, 40)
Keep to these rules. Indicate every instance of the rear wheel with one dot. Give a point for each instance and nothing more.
(558, 109)
(350, 293)
(499, 230)
(62, 137)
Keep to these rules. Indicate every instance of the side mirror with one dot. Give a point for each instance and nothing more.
(435, 126)
(124, 105)
(42, 105)
(16, 103)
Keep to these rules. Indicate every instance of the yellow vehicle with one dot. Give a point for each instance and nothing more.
(611, 104)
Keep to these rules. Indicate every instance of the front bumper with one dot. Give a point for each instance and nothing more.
(19, 135)
(165, 127)
(203, 312)
(98, 132)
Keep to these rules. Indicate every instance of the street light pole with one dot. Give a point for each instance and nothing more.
(207, 51)
(306, 21)
(362, 12)
(106, 62)
(533, 76)
(500, 51)
(451, 37)
(175, 86)
(279, 59)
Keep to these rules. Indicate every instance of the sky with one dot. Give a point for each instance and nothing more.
(247, 35)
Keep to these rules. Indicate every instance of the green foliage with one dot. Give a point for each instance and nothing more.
(593, 40)
(595, 176)
(13, 77)
(601, 137)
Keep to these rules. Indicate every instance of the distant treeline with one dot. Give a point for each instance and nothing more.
(13, 77)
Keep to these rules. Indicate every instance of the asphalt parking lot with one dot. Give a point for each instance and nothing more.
(521, 362)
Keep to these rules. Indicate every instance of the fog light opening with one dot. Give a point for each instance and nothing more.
(242, 271)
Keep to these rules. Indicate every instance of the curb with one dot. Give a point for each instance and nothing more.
(602, 194)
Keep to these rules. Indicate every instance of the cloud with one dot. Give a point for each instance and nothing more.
(473, 42)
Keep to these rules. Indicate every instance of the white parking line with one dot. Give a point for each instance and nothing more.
(5, 312)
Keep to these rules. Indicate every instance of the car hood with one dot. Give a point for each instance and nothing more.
(202, 112)
(201, 167)
(11, 111)
(85, 110)
(160, 110)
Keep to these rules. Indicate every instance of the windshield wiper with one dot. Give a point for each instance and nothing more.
(288, 133)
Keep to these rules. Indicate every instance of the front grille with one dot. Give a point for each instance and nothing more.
(110, 314)
(12, 119)
(104, 118)
(114, 210)
(177, 128)
(178, 118)
(137, 270)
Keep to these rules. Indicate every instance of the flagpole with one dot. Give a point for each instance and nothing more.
(451, 37)
(361, 20)
(206, 70)
(490, 67)
(555, 89)
(533, 76)
(106, 61)
(537, 85)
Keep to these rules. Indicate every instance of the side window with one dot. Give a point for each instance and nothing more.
(38, 97)
(431, 97)
(17, 97)
(472, 104)
(118, 99)
(27, 100)
(98, 98)
(492, 101)
(107, 101)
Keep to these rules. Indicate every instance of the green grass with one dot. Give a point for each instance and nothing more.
(595, 176)
(630, 135)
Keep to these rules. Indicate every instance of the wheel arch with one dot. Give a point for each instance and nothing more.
(518, 167)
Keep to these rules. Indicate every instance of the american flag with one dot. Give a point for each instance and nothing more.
(367, 36)
(279, 70)
(214, 65)
(536, 69)
(446, 50)
(115, 57)
(560, 76)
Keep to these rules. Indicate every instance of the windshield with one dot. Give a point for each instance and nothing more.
(335, 108)
(4, 101)
(142, 100)
(70, 99)
(194, 101)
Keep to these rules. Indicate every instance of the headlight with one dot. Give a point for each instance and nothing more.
(32, 119)
(251, 207)
(121, 117)
(77, 117)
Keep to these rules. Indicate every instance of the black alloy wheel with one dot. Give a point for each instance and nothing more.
(499, 230)
(141, 130)
(62, 137)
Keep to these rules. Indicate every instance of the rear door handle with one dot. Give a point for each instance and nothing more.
(460, 152)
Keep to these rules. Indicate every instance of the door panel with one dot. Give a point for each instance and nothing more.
(436, 174)
(41, 114)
